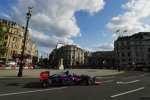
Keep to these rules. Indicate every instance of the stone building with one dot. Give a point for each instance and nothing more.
(71, 54)
(102, 59)
(13, 41)
(132, 51)
(87, 56)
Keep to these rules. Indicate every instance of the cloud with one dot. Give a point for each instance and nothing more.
(87, 49)
(105, 47)
(44, 40)
(114, 35)
(53, 21)
(4, 15)
(132, 19)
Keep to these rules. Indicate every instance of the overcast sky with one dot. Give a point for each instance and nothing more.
(90, 24)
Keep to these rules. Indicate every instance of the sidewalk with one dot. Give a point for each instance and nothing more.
(34, 73)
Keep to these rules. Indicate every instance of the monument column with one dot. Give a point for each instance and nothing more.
(60, 65)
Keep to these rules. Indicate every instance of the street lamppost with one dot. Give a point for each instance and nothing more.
(28, 16)
(7, 54)
(7, 47)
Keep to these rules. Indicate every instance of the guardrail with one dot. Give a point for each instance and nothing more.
(14, 68)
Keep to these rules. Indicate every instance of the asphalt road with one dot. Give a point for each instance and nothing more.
(130, 85)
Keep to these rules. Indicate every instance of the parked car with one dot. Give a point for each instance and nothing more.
(64, 78)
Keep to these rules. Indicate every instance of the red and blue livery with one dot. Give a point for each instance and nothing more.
(64, 78)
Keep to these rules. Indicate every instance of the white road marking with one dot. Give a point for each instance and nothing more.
(111, 77)
(106, 77)
(119, 82)
(144, 75)
(107, 81)
(32, 91)
(129, 77)
(127, 82)
(127, 92)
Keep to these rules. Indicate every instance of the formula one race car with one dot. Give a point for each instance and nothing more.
(64, 78)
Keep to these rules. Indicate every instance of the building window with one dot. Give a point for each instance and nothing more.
(135, 48)
(130, 63)
(141, 54)
(14, 46)
(14, 39)
(148, 49)
(122, 48)
(6, 37)
(8, 29)
(5, 43)
(128, 48)
(123, 60)
(129, 54)
(16, 33)
(129, 59)
(14, 52)
(122, 54)
(136, 53)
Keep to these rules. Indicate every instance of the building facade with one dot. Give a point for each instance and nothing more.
(102, 59)
(71, 54)
(87, 56)
(132, 51)
(75, 57)
(13, 41)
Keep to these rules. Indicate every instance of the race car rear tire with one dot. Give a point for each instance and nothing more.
(89, 81)
(46, 83)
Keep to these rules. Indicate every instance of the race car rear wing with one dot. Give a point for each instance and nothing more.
(44, 75)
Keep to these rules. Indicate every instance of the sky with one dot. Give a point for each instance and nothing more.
(89, 24)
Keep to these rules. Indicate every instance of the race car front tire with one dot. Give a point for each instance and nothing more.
(89, 81)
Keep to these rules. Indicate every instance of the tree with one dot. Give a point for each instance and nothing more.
(2, 35)
(45, 60)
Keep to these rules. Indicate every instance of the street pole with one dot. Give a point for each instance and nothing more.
(7, 56)
(28, 16)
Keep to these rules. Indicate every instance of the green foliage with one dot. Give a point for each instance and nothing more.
(2, 51)
(2, 35)
(44, 60)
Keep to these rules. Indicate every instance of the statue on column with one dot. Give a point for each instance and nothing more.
(60, 65)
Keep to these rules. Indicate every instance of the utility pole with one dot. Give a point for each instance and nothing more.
(28, 16)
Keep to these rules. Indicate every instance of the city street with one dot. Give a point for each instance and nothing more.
(74, 50)
(130, 85)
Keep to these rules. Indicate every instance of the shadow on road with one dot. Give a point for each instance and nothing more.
(145, 98)
(26, 85)
(33, 85)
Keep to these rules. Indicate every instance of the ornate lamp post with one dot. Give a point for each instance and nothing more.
(7, 47)
(28, 16)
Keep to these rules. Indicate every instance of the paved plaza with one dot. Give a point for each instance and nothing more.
(34, 73)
